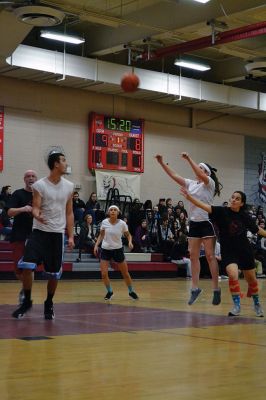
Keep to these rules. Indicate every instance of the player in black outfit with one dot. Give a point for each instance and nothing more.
(233, 223)
(19, 207)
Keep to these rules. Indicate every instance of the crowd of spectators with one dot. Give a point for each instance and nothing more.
(155, 228)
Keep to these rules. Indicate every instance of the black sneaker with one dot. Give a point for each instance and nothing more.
(21, 297)
(22, 310)
(133, 295)
(216, 300)
(48, 311)
(108, 296)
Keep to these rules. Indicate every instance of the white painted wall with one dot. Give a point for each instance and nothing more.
(40, 115)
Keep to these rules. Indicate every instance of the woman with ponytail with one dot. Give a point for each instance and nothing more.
(201, 230)
(236, 251)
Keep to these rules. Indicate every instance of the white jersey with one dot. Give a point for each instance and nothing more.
(53, 205)
(113, 234)
(202, 192)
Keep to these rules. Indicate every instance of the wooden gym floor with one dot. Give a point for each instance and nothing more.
(155, 348)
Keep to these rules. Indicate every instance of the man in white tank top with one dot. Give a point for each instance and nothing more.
(52, 212)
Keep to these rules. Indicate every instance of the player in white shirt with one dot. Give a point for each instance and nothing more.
(111, 232)
(52, 212)
(201, 230)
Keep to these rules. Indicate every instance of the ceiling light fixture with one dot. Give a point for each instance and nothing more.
(192, 65)
(62, 37)
(202, 1)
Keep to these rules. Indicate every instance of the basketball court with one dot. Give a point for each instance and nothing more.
(154, 348)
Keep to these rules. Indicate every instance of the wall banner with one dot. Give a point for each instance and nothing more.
(1, 138)
(127, 184)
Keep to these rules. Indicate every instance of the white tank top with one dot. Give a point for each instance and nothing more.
(53, 206)
(201, 192)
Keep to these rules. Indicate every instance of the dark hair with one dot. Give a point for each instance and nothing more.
(4, 189)
(243, 199)
(218, 185)
(147, 204)
(53, 158)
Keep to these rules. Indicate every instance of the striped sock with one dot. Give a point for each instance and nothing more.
(236, 299)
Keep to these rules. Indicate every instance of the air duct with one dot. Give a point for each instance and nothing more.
(39, 16)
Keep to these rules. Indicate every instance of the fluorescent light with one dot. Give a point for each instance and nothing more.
(62, 38)
(202, 1)
(192, 65)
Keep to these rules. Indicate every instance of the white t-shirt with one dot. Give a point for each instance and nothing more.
(201, 192)
(53, 206)
(113, 234)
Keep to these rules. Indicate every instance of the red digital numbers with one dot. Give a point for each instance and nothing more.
(115, 143)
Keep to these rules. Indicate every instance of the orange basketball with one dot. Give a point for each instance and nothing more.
(130, 82)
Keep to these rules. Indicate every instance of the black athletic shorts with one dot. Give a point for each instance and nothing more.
(244, 259)
(45, 248)
(200, 230)
(116, 255)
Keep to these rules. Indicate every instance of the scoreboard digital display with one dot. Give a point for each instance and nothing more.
(116, 143)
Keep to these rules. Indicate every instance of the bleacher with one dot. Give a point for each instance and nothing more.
(139, 265)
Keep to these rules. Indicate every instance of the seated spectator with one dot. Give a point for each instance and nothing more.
(5, 223)
(181, 207)
(141, 238)
(87, 236)
(183, 222)
(169, 203)
(147, 205)
(260, 213)
(152, 225)
(162, 209)
(180, 254)
(92, 207)
(5, 194)
(260, 253)
(166, 238)
(135, 216)
(78, 207)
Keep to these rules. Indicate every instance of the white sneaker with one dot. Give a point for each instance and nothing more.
(235, 311)
(258, 310)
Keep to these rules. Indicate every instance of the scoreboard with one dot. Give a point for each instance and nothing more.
(116, 143)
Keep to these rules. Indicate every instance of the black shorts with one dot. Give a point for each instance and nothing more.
(116, 255)
(45, 248)
(200, 230)
(244, 260)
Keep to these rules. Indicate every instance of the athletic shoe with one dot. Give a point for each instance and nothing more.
(108, 295)
(235, 311)
(216, 300)
(133, 295)
(49, 310)
(22, 310)
(21, 297)
(258, 310)
(261, 276)
(194, 295)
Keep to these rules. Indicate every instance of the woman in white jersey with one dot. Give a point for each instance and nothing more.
(111, 232)
(201, 230)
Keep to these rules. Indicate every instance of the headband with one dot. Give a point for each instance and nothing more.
(113, 207)
(207, 169)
